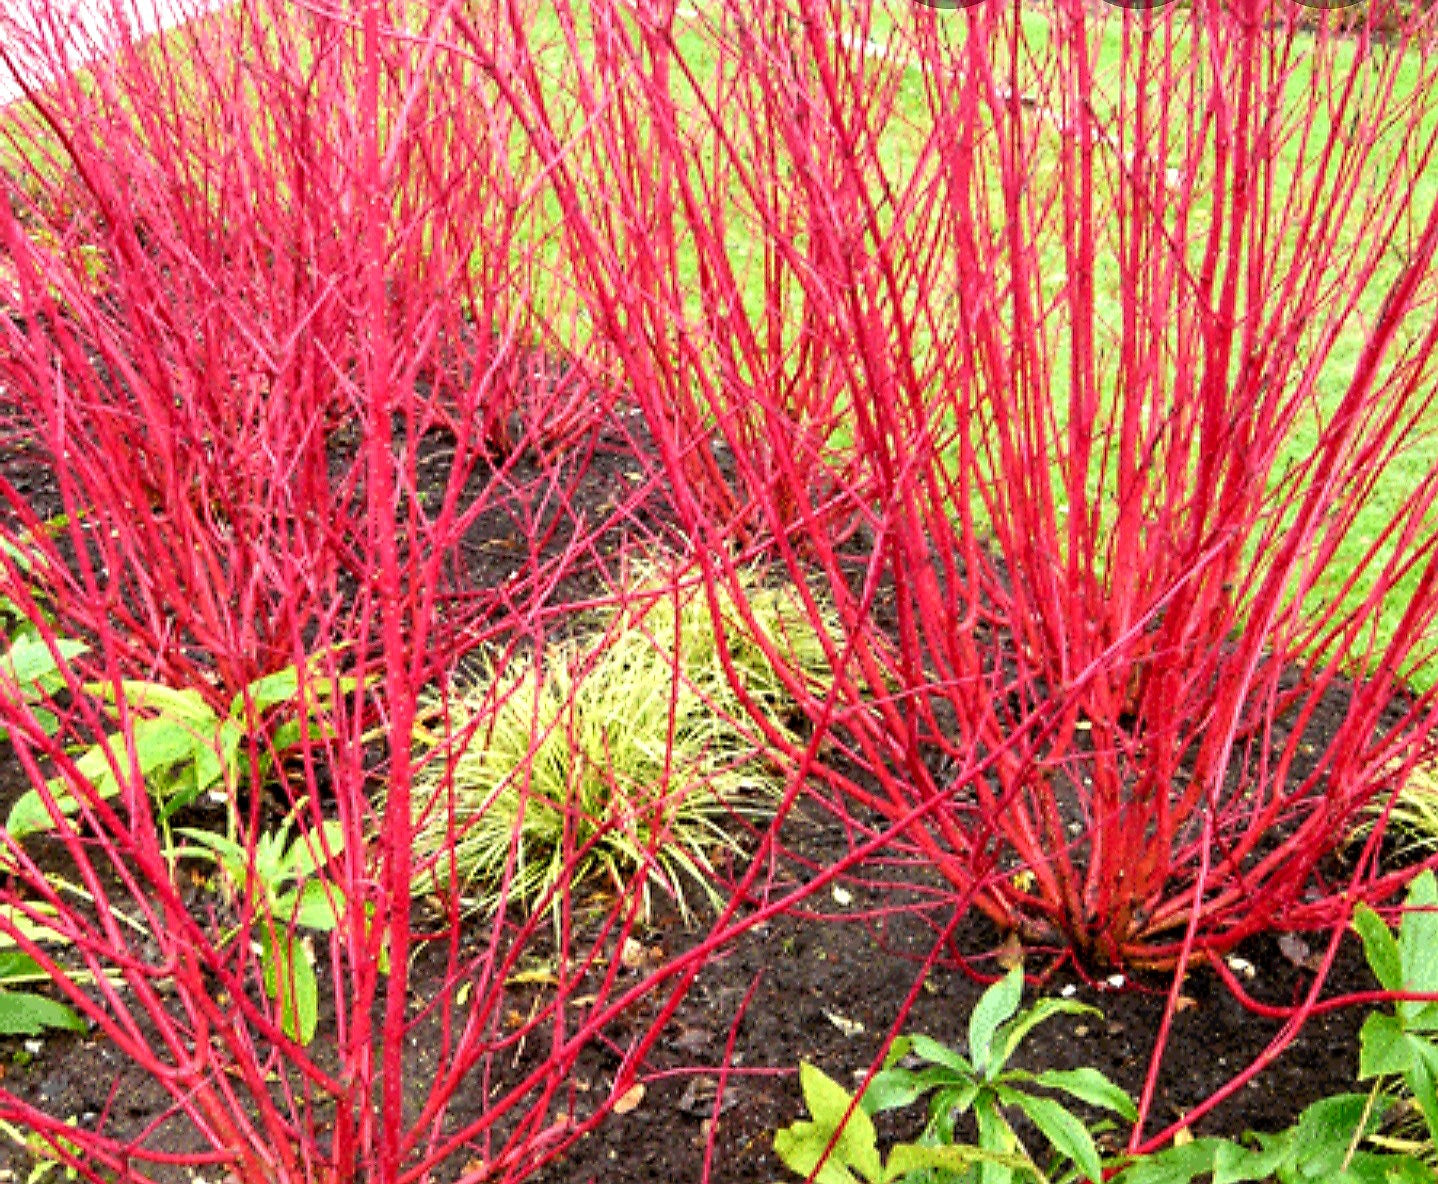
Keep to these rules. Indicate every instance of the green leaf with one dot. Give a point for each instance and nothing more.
(1420, 1082)
(892, 1089)
(802, 1145)
(319, 905)
(1174, 1165)
(955, 1158)
(1327, 1130)
(23, 1014)
(1091, 1086)
(996, 1005)
(1233, 1163)
(995, 1135)
(1380, 947)
(1065, 1132)
(15, 965)
(184, 706)
(232, 857)
(1418, 950)
(1383, 1047)
(30, 659)
(313, 851)
(290, 982)
(928, 1049)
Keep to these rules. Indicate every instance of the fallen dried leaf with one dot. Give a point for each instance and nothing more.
(850, 1028)
(630, 1098)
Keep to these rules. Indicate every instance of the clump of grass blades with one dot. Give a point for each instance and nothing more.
(564, 775)
(620, 760)
(678, 622)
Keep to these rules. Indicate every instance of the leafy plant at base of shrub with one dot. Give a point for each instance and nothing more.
(1327, 1142)
(182, 746)
(841, 1135)
(23, 1013)
(281, 882)
(598, 764)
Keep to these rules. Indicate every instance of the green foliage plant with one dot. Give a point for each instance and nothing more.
(840, 1142)
(282, 881)
(1329, 1144)
(182, 746)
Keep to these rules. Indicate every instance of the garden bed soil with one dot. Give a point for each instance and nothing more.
(823, 991)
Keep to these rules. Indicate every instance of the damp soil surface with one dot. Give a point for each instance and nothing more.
(826, 988)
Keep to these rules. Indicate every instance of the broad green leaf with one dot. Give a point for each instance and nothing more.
(184, 706)
(30, 659)
(1405, 1169)
(1418, 949)
(1091, 1086)
(1328, 1129)
(1380, 947)
(290, 982)
(892, 1089)
(1420, 1080)
(24, 1014)
(1383, 1047)
(996, 1005)
(15, 965)
(857, 1144)
(1174, 1165)
(956, 1157)
(1233, 1163)
(318, 906)
(1065, 1132)
(800, 1148)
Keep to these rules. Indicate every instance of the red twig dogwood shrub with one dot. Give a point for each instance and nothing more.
(1112, 335)
(286, 345)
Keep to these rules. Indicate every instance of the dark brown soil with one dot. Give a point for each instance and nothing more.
(825, 990)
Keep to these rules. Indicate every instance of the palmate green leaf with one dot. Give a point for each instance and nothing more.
(24, 1014)
(802, 1145)
(996, 1005)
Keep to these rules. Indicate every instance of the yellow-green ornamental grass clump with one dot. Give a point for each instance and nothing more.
(619, 762)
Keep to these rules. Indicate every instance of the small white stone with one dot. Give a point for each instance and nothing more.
(1068, 990)
(1115, 981)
